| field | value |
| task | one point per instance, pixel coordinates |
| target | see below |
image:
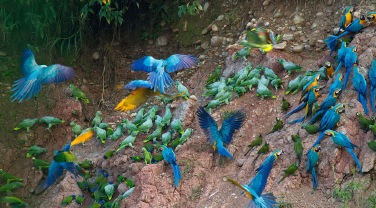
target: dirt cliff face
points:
(305, 25)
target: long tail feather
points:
(223, 151)
(314, 179)
(352, 153)
(363, 101)
(372, 91)
(338, 67)
(347, 76)
(298, 108)
(177, 174)
(315, 117)
(301, 119)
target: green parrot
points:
(50, 121)
(109, 189)
(289, 171)
(276, 83)
(373, 128)
(149, 147)
(177, 126)
(128, 141)
(298, 147)
(365, 122)
(137, 158)
(139, 117)
(269, 73)
(80, 199)
(101, 134)
(182, 90)
(9, 177)
(95, 204)
(13, 202)
(147, 156)
(257, 38)
(166, 137)
(40, 164)
(108, 154)
(76, 129)
(26, 124)
(7, 188)
(78, 94)
(155, 134)
(242, 74)
(264, 92)
(97, 119)
(250, 83)
(311, 128)
(240, 90)
(131, 127)
(289, 66)
(255, 143)
(244, 52)
(146, 126)
(152, 113)
(117, 133)
(158, 157)
(175, 143)
(277, 126)
(117, 202)
(226, 97)
(86, 164)
(185, 136)
(83, 185)
(215, 75)
(67, 200)
(285, 105)
(104, 125)
(263, 80)
(372, 145)
(293, 85)
(254, 73)
(35, 150)
(263, 150)
(166, 119)
(213, 104)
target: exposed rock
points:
(298, 20)
(220, 17)
(95, 56)
(280, 46)
(217, 41)
(2, 53)
(266, 3)
(298, 48)
(366, 58)
(287, 37)
(206, 6)
(162, 40)
(205, 45)
(214, 28)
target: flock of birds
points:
(159, 82)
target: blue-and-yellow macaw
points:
(169, 156)
(329, 121)
(360, 85)
(342, 51)
(313, 94)
(350, 60)
(372, 81)
(159, 69)
(313, 159)
(312, 83)
(257, 185)
(224, 135)
(337, 84)
(63, 159)
(355, 27)
(341, 139)
(346, 18)
(328, 69)
(34, 76)
(371, 16)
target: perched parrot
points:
(128, 141)
(26, 124)
(298, 147)
(355, 27)
(342, 51)
(50, 121)
(13, 201)
(311, 128)
(159, 69)
(257, 185)
(312, 96)
(85, 136)
(166, 137)
(277, 126)
(307, 88)
(177, 126)
(35, 150)
(360, 86)
(224, 135)
(244, 52)
(117, 133)
(329, 69)
(342, 140)
(337, 84)
(285, 105)
(86, 164)
(263, 150)
(109, 190)
(40, 164)
(147, 155)
(182, 90)
(78, 94)
(80, 199)
(68, 199)
(373, 129)
(36, 75)
(372, 83)
(289, 66)
(130, 126)
(166, 119)
(293, 85)
(350, 60)
(313, 160)
(76, 129)
(263, 91)
(100, 133)
(185, 136)
(289, 171)
(328, 103)
(56, 168)
(145, 126)
(257, 38)
(9, 177)
(371, 16)
(169, 156)
(7, 188)
(346, 18)
(372, 145)
(269, 73)
(255, 143)
(155, 134)
(97, 119)
(214, 76)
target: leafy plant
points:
(349, 192)
(191, 8)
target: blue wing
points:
(55, 171)
(26, 87)
(231, 124)
(178, 61)
(372, 80)
(258, 183)
(56, 73)
(145, 64)
(137, 84)
(28, 62)
(208, 124)
(159, 80)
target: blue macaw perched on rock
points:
(257, 185)
(341, 55)
(169, 156)
(312, 83)
(371, 16)
(313, 159)
(224, 135)
(337, 84)
(341, 139)
(330, 101)
(34, 76)
(350, 60)
(329, 121)
(346, 19)
(313, 94)
(355, 27)
(63, 159)
(159, 69)
(372, 80)
(360, 86)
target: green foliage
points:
(190, 8)
(111, 11)
(354, 191)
